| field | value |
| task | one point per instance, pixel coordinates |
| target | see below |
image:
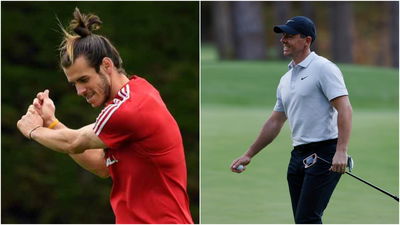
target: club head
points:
(350, 163)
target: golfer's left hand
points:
(44, 105)
(29, 121)
(339, 162)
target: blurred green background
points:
(238, 97)
(156, 40)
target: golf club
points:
(312, 159)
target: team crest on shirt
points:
(110, 160)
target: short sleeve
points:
(278, 105)
(113, 125)
(115, 130)
(332, 82)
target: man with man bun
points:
(135, 140)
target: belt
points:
(315, 144)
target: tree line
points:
(347, 32)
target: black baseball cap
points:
(298, 25)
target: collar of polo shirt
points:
(303, 63)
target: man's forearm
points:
(61, 140)
(268, 133)
(93, 161)
(266, 136)
(344, 128)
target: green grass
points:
(260, 194)
(254, 83)
(237, 98)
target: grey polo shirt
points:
(304, 94)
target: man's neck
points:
(117, 82)
(299, 58)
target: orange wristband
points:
(53, 124)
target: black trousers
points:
(311, 188)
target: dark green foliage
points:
(156, 40)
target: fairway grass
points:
(237, 97)
(254, 84)
(260, 194)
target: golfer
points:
(135, 140)
(312, 95)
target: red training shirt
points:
(145, 157)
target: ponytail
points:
(79, 40)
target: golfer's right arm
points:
(268, 133)
(91, 160)
(84, 147)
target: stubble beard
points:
(106, 87)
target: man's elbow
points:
(74, 148)
(344, 108)
(349, 109)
